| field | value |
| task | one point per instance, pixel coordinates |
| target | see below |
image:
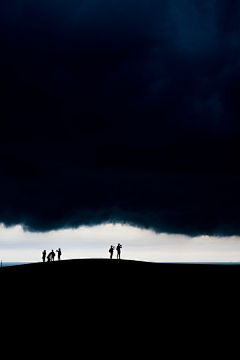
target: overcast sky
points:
(137, 244)
(121, 111)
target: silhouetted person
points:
(118, 250)
(59, 253)
(44, 255)
(49, 257)
(53, 255)
(111, 251)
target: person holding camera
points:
(118, 250)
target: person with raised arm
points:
(118, 250)
(59, 253)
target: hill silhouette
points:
(107, 274)
(92, 272)
(112, 299)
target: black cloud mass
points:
(120, 111)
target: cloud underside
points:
(124, 112)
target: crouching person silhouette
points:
(111, 251)
(49, 257)
(118, 250)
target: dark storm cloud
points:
(121, 111)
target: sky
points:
(137, 244)
(121, 112)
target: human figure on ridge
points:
(53, 255)
(111, 251)
(59, 253)
(49, 257)
(44, 255)
(118, 250)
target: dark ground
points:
(114, 275)
(118, 307)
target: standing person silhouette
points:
(59, 253)
(44, 255)
(118, 250)
(53, 255)
(111, 251)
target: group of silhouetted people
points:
(118, 248)
(51, 255)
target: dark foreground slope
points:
(108, 307)
(119, 275)
(111, 287)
